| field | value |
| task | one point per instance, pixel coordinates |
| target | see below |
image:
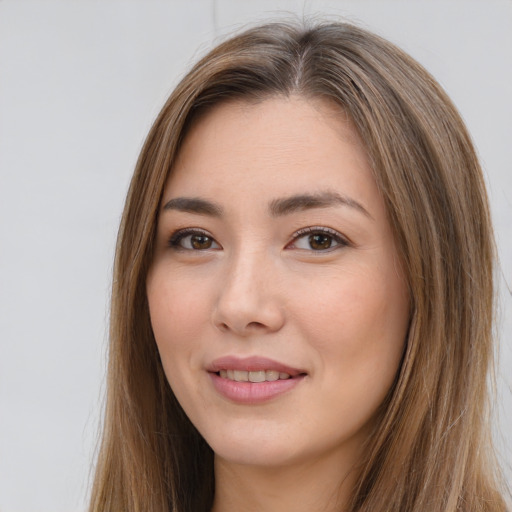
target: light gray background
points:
(80, 83)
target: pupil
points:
(201, 242)
(320, 241)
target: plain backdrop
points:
(80, 83)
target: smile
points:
(253, 380)
(255, 376)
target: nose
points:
(248, 300)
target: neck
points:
(323, 486)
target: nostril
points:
(251, 326)
(256, 325)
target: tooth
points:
(241, 375)
(257, 376)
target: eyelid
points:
(340, 240)
(178, 235)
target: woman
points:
(302, 304)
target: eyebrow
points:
(302, 202)
(194, 205)
(277, 207)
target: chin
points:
(248, 448)
(250, 454)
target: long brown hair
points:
(432, 449)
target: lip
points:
(252, 392)
(252, 364)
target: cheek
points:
(358, 323)
(177, 318)
(177, 315)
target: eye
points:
(193, 240)
(318, 239)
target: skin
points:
(334, 306)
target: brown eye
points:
(318, 239)
(200, 242)
(193, 240)
(320, 242)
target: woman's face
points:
(276, 296)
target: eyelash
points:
(177, 237)
(318, 230)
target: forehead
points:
(276, 146)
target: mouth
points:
(253, 376)
(253, 380)
(253, 369)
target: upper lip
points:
(252, 364)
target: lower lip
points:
(253, 392)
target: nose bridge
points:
(248, 300)
(244, 266)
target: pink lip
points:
(252, 392)
(251, 364)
